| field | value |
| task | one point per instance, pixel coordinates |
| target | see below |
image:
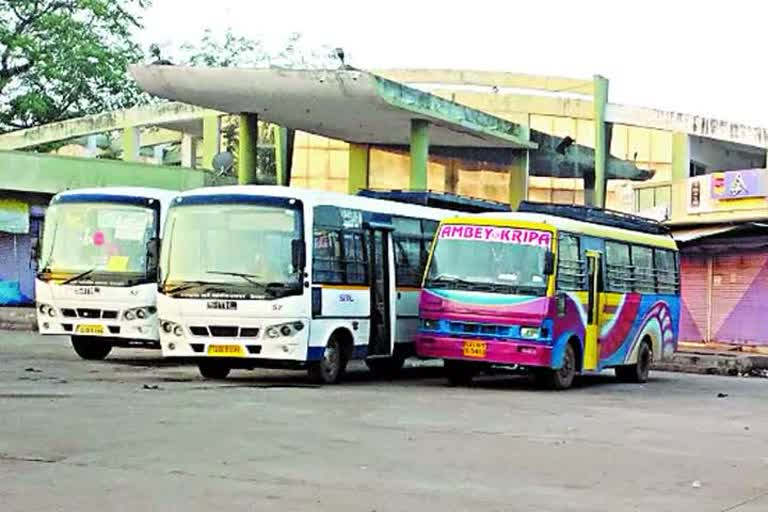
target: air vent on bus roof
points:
(596, 216)
(435, 199)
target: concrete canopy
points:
(349, 105)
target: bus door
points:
(592, 331)
(380, 342)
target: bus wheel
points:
(91, 348)
(562, 378)
(385, 367)
(459, 373)
(637, 373)
(330, 369)
(214, 370)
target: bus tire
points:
(330, 369)
(562, 378)
(214, 370)
(91, 348)
(637, 373)
(460, 373)
(385, 368)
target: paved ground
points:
(79, 436)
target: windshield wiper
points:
(79, 276)
(251, 278)
(284, 288)
(187, 286)
(448, 280)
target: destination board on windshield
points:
(496, 234)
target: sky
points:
(700, 57)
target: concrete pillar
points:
(681, 169)
(131, 139)
(359, 160)
(211, 145)
(159, 153)
(594, 194)
(419, 154)
(284, 138)
(91, 147)
(247, 151)
(188, 151)
(518, 178)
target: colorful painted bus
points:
(559, 291)
(97, 268)
(265, 276)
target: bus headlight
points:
(140, 313)
(171, 327)
(529, 332)
(45, 309)
(286, 330)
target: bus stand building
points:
(492, 135)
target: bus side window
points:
(571, 268)
(642, 262)
(355, 261)
(667, 274)
(326, 263)
(409, 259)
(618, 267)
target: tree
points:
(234, 50)
(61, 59)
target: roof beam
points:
(685, 123)
(488, 79)
(170, 112)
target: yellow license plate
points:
(226, 350)
(90, 329)
(475, 349)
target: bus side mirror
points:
(549, 263)
(298, 255)
(153, 250)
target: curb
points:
(716, 363)
(18, 319)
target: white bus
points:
(277, 277)
(97, 268)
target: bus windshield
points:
(237, 250)
(102, 243)
(489, 258)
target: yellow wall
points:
(323, 164)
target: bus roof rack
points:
(437, 199)
(596, 216)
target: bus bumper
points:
(489, 351)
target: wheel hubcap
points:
(568, 366)
(330, 360)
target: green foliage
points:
(61, 59)
(235, 50)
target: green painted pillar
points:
(284, 138)
(359, 160)
(518, 178)
(419, 154)
(519, 168)
(681, 171)
(596, 196)
(211, 139)
(248, 142)
(131, 143)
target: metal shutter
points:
(740, 293)
(695, 295)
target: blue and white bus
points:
(266, 276)
(97, 268)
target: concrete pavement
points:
(133, 433)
